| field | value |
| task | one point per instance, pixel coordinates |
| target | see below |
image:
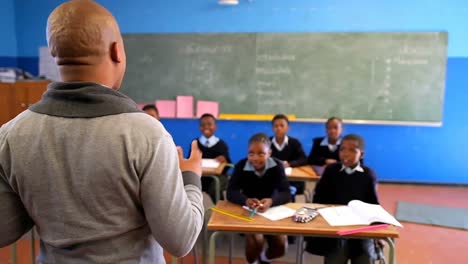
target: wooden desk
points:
(303, 173)
(317, 227)
(214, 171)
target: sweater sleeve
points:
(282, 194)
(15, 220)
(372, 196)
(324, 187)
(225, 151)
(172, 201)
(234, 189)
(298, 156)
(314, 157)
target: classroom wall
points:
(8, 49)
(397, 153)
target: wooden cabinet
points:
(17, 97)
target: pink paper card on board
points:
(184, 106)
(166, 108)
(207, 107)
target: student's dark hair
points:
(356, 138)
(280, 116)
(260, 138)
(150, 106)
(333, 118)
(205, 115)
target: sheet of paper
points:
(341, 216)
(288, 171)
(210, 163)
(276, 213)
(207, 107)
(184, 106)
(166, 108)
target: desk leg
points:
(204, 243)
(33, 247)
(212, 247)
(217, 187)
(300, 249)
(391, 250)
(231, 244)
(13, 254)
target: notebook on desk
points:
(357, 213)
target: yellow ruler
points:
(237, 216)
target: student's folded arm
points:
(282, 194)
(15, 220)
(324, 188)
(300, 158)
(315, 157)
(234, 189)
(172, 201)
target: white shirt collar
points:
(331, 147)
(270, 163)
(349, 170)
(213, 140)
(278, 146)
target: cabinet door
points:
(26, 94)
(6, 103)
(36, 91)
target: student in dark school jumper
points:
(101, 180)
(212, 147)
(151, 110)
(325, 149)
(341, 183)
(287, 149)
(259, 182)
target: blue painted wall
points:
(8, 47)
(400, 153)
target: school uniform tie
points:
(207, 143)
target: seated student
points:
(287, 149)
(212, 147)
(340, 183)
(259, 182)
(325, 149)
(151, 110)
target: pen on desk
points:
(252, 212)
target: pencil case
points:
(304, 215)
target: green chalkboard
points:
(395, 77)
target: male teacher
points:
(101, 180)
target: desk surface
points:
(214, 171)
(317, 227)
(303, 173)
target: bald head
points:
(84, 37)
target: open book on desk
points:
(357, 213)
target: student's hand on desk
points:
(330, 161)
(265, 204)
(252, 203)
(193, 163)
(286, 164)
(221, 159)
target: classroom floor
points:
(418, 244)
